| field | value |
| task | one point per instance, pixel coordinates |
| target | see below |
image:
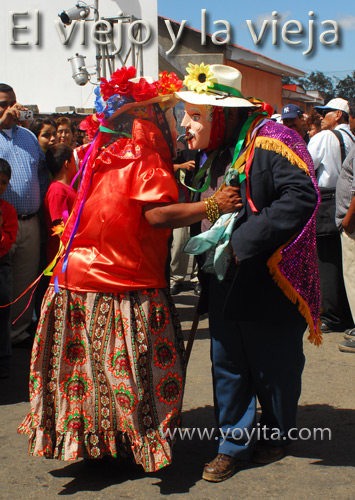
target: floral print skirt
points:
(107, 373)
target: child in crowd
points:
(60, 196)
(8, 232)
(45, 129)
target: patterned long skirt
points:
(107, 372)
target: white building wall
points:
(41, 74)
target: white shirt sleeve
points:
(324, 148)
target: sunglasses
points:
(324, 112)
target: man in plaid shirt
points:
(26, 191)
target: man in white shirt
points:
(328, 149)
(345, 219)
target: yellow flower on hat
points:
(199, 77)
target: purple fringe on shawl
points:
(299, 263)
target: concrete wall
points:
(40, 74)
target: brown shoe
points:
(221, 468)
(266, 454)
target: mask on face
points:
(198, 124)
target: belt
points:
(25, 216)
(327, 193)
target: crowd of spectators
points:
(36, 169)
(329, 132)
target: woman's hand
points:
(228, 200)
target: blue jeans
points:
(254, 359)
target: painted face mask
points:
(198, 124)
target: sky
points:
(333, 60)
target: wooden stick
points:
(192, 335)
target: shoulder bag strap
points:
(339, 136)
(350, 135)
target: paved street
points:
(314, 469)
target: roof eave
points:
(258, 61)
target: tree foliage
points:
(288, 80)
(319, 81)
(345, 88)
(328, 86)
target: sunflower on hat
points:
(199, 77)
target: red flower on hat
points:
(107, 90)
(122, 75)
(119, 83)
(120, 79)
(168, 83)
(142, 91)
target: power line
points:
(333, 74)
(327, 73)
(343, 71)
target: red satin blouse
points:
(115, 249)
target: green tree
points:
(317, 80)
(345, 88)
(288, 80)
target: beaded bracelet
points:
(212, 209)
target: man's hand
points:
(229, 200)
(349, 223)
(188, 165)
(349, 219)
(11, 116)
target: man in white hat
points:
(259, 307)
(328, 149)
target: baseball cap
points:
(290, 111)
(337, 104)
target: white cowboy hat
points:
(214, 85)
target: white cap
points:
(337, 103)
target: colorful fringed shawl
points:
(294, 265)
